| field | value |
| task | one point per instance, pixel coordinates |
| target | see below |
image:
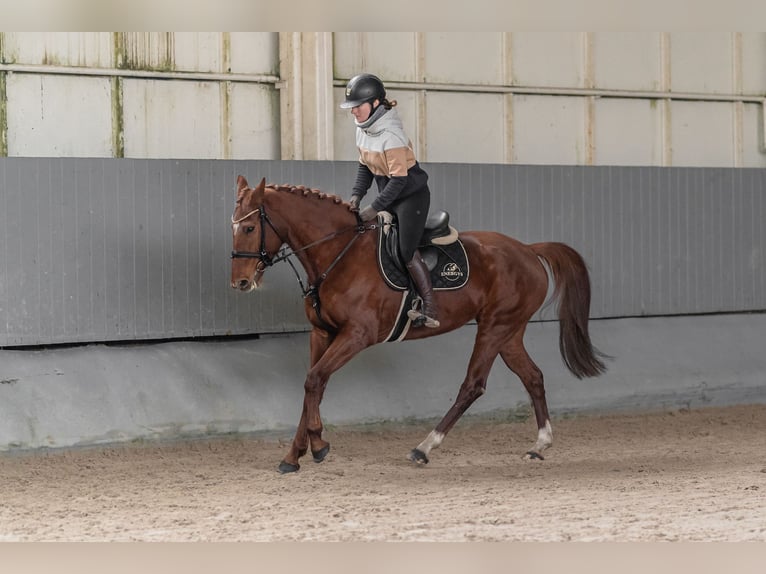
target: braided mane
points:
(306, 192)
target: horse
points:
(350, 307)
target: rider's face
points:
(362, 112)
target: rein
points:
(285, 253)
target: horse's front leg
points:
(319, 341)
(328, 354)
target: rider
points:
(386, 155)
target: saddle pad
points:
(448, 265)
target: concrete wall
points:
(94, 394)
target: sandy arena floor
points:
(682, 475)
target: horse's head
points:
(255, 242)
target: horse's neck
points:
(306, 220)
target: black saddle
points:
(437, 230)
(439, 246)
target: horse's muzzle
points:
(243, 285)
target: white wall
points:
(605, 98)
(142, 95)
(59, 116)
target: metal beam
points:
(142, 74)
(583, 92)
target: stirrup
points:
(421, 320)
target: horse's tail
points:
(572, 290)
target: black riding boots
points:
(426, 316)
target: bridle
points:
(262, 254)
(285, 253)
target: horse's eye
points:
(249, 229)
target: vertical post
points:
(506, 57)
(421, 114)
(290, 85)
(3, 103)
(225, 96)
(3, 116)
(738, 107)
(589, 82)
(666, 85)
(306, 96)
(119, 58)
(317, 103)
(325, 86)
(118, 118)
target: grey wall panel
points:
(118, 249)
(659, 241)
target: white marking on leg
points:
(544, 437)
(433, 440)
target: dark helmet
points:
(363, 88)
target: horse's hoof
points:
(418, 456)
(285, 467)
(532, 455)
(320, 454)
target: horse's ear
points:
(259, 189)
(242, 185)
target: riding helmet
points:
(363, 88)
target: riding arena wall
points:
(117, 320)
(119, 153)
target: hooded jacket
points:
(386, 155)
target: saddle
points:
(440, 247)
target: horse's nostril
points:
(244, 283)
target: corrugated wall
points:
(117, 249)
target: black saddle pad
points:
(448, 265)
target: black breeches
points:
(412, 212)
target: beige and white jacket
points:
(386, 155)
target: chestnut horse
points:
(350, 307)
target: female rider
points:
(386, 156)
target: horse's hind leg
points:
(517, 359)
(472, 388)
